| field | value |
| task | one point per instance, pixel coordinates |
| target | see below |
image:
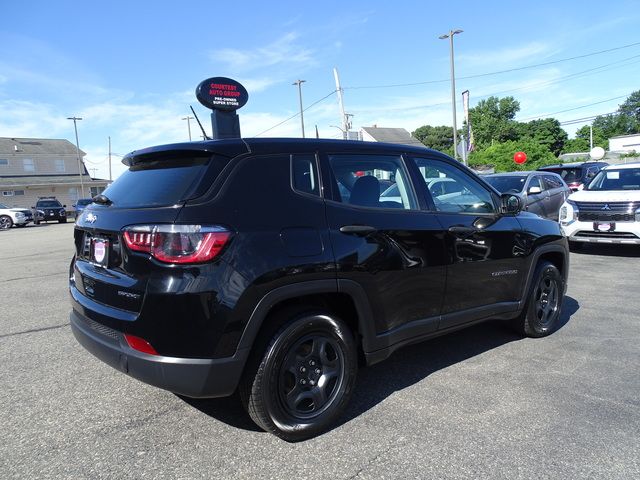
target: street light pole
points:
(299, 84)
(188, 119)
(453, 88)
(80, 164)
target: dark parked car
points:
(542, 193)
(53, 210)
(190, 276)
(577, 174)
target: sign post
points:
(223, 96)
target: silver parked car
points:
(543, 193)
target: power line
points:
(544, 64)
(295, 115)
(575, 108)
(586, 119)
(598, 69)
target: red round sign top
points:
(520, 157)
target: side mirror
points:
(64, 206)
(511, 204)
(534, 190)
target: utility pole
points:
(453, 88)
(110, 177)
(80, 164)
(343, 115)
(299, 84)
(590, 137)
(188, 119)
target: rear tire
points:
(544, 302)
(301, 382)
(64, 220)
(5, 222)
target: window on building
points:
(73, 193)
(18, 192)
(7, 193)
(4, 161)
(60, 166)
(96, 191)
(28, 164)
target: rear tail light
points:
(180, 244)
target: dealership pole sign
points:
(223, 96)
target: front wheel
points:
(544, 301)
(62, 220)
(304, 379)
(5, 222)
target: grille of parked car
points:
(607, 211)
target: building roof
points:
(26, 181)
(37, 146)
(392, 135)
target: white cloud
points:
(283, 51)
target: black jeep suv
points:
(53, 210)
(217, 266)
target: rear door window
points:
(165, 180)
(358, 179)
(304, 173)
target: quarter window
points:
(304, 174)
(452, 190)
(372, 181)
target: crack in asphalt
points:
(34, 330)
(33, 276)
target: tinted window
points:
(552, 181)
(304, 174)
(452, 190)
(83, 202)
(569, 175)
(165, 180)
(622, 179)
(507, 183)
(358, 179)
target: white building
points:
(38, 167)
(625, 144)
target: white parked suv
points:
(607, 210)
(14, 216)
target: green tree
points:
(546, 131)
(492, 120)
(439, 138)
(582, 141)
(500, 156)
(631, 106)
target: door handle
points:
(358, 230)
(461, 230)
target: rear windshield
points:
(569, 175)
(165, 180)
(48, 204)
(84, 202)
(505, 184)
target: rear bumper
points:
(191, 377)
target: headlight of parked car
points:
(62, 212)
(568, 212)
(19, 215)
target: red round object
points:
(520, 157)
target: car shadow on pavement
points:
(628, 251)
(411, 365)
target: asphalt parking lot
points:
(481, 403)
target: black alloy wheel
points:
(542, 310)
(299, 384)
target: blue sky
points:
(130, 69)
